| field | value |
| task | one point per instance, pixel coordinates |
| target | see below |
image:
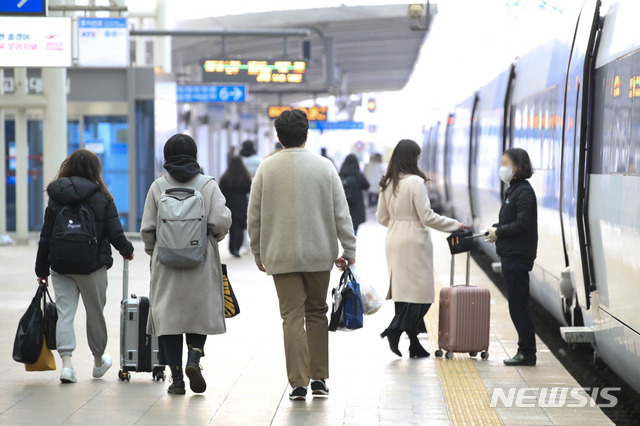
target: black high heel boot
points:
(194, 371)
(415, 348)
(177, 382)
(393, 336)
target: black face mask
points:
(182, 167)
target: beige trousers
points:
(303, 308)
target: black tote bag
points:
(50, 320)
(28, 341)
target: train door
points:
(573, 200)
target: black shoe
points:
(393, 336)
(298, 394)
(177, 382)
(416, 350)
(319, 388)
(194, 371)
(521, 359)
(235, 254)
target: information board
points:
(253, 71)
(103, 42)
(314, 113)
(211, 93)
(23, 7)
(336, 125)
(35, 42)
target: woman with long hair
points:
(80, 207)
(354, 183)
(235, 185)
(404, 208)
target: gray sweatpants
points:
(93, 288)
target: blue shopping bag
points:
(347, 313)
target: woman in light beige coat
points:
(404, 208)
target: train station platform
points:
(245, 368)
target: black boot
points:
(393, 336)
(177, 381)
(194, 370)
(415, 348)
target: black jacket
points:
(236, 199)
(356, 202)
(109, 230)
(518, 227)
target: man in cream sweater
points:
(297, 214)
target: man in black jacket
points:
(516, 238)
(80, 268)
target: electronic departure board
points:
(314, 113)
(253, 71)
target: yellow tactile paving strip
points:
(466, 396)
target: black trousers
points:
(236, 234)
(515, 272)
(170, 347)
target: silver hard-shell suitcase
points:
(138, 350)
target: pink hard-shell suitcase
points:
(464, 318)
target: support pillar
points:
(54, 126)
(22, 162)
(162, 45)
(132, 150)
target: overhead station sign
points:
(211, 93)
(337, 125)
(314, 113)
(103, 42)
(23, 7)
(35, 42)
(253, 71)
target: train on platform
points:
(574, 104)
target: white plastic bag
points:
(371, 300)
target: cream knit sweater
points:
(297, 214)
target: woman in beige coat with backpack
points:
(404, 208)
(185, 300)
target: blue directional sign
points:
(209, 93)
(23, 7)
(336, 125)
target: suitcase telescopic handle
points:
(453, 269)
(125, 279)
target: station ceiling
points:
(375, 48)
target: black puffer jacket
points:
(65, 191)
(518, 227)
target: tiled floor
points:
(245, 368)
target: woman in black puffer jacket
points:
(80, 224)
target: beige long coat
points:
(187, 300)
(408, 216)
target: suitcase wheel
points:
(448, 355)
(439, 353)
(159, 375)
(473, 354)
(124, 375)
(484, 355)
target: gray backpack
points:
(181, 230)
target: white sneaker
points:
(106, 364)
(68, 375)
